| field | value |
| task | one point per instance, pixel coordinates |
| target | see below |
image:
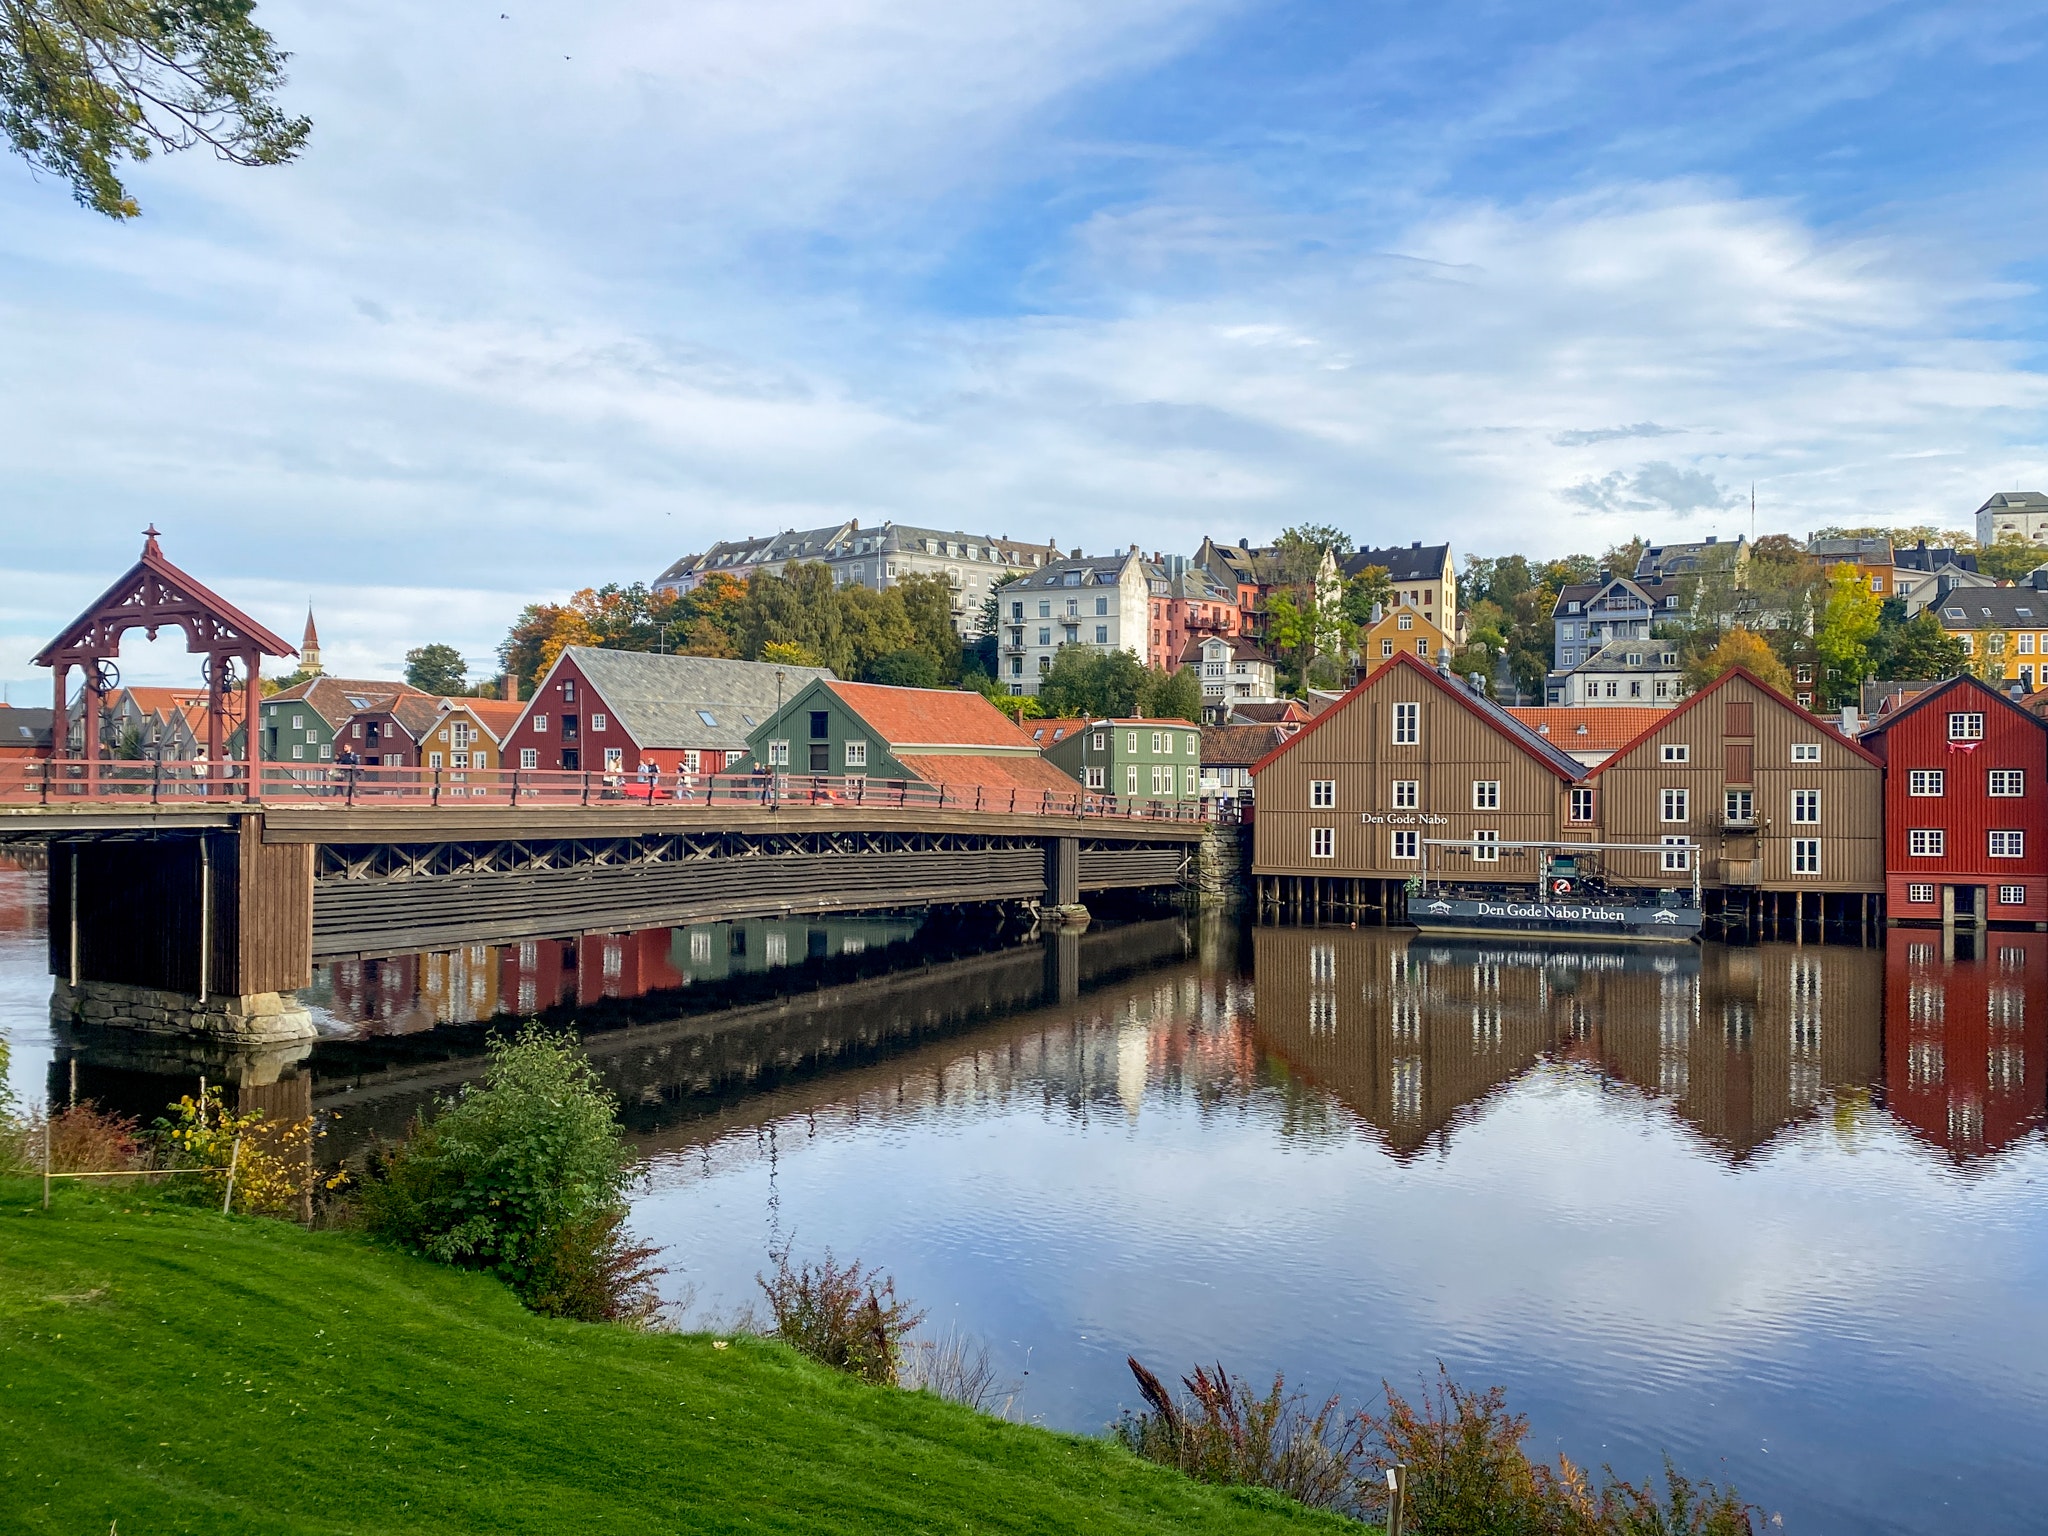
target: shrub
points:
(847, 1317)
(83, 1139)
(524, 1175)
(959, 1369)
(272, 1169)
(1226, 1433)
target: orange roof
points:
(930, 717)
(993, 775)
(497, 716)
(1598, 728)
(1048, 732)
(160, 700)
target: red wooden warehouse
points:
(1966, 808)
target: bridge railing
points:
(32, 781)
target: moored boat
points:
(1567, 901)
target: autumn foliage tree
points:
(1743, 648)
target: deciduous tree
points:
(1743, 648)
(437, 669)
(88, 84)
(1842, 639)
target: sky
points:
(559, 293)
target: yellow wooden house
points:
(1401, 631)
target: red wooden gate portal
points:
(155, 593)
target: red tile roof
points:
(931, 717)
(1599, 728)
(995, 776)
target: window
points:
(461, 760)
(1188, 743)
(1925, 783)
(1486, 847)
(326, 751)
(778, 754)
(1613, 689)
(1677, 854)
(1101, 741)
(1486, 794)
(1676, 753)
(1322, 794)
(1406, 621)
(1102, 634)
(1073, 608)
(1406, 845)
(1131, 779)
(2008, 845)
(614, 759)
(821, 724)
(1803, 673)
(692, 761)
(298, 754)
(1921, 894)
(1102, 605)
(1422, 645)
(1016, 610)
(540, 725)
(1407, 794)
(1094, 778)
(1582, 805)
(529, 757)
(1407, 724)
(434, 760)
(2008, 782)
(569, 690)
(597, 722)
(1739, 808)
(1806, 805)
(1966, 726)
(856, 754)
(1805, 855)
(1322, 842)
(1188, 786)
(1676, 805)
(1162, 779)
(1805, 751)
(1158, 741)
(1926, 842)
(1386, 649)
(1045, 610)
(298, 722)
(2012, 895)
(1130, 741)
(2026, 645)
(1045, 634)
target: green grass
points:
(175, 1370)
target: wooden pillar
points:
(252, 694)
(216, 737)
(1799, 917)
(60, 719)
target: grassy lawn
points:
(174, 1370)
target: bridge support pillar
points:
(197, 933)
(1063, 882)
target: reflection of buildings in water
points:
(1964, 1064)
(1411, 1033)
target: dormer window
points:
(1571, 608)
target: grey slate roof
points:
(1092, 570)
(657, 698)
(1926, 557)
(1992, 608)
(2015, 501)
(24, 727)
(1653, 655)
(1413, 562)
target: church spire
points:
(309, 647)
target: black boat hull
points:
(1596, 921)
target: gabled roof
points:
(1614, 657)
(1884, 723)
(417, 714)
(334, 699)
(1930, 557)
(24, 727)
(1242, 648)
(1412, 562)
(1991, 608)
(1697, 699)
(155, 592)
(496, 716)
(910, 718)
(1271, 712)
(1047, 732)
(1089, 571)
(1558, 761)
(1240, 746)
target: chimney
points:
(1850, 724)
(1378, 612)
(1712, 540)
(508, 687)
(1075, 555)
(1416, 545)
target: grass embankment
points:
(174, 1370)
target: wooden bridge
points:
(182, 901)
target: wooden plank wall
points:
(274, 889)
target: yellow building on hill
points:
(1401, 631)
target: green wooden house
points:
(1151, 759)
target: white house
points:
(1102, 602)
(1638, 672)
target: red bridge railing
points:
(40, 782)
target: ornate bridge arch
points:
(151, 596)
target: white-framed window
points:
(1675, 805)
(569, 690)
(1407, 794)
(1406, 845)
(1188, 777)
(1582, 805)
(529, 757)
(1322, 794)
(2012, 895)
(778, 754)
(1094, 777)
(693, 760)
(1130, 778)
(1676, 752)
(1738, 807)
(1805, 855)
(1806, 806)
(540, 725)
(1322, 842)
(1486, 794)
(1100, 742)
(2008, 845)
(1966, 725)
(298, 722)
(597, 721)
(1926, 842)
(1926, 783)
(1386, 649)
(2008, 783)
(1162, 779)
(460, 760)
(1805, 751)
(326, 750)
(1130, 741)
(1920, 894)
(1486, 847)
(1407, 724)
(1188, 744)
(856, 754)
(462, 733)
(2026, 645)
(1677, 854)
(433, 760)
(298, 754)
(1159, 741)
(1406, 621)
(614, 759)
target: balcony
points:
(1739, 871)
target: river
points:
(1777, 1211)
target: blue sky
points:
(561, 292)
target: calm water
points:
(1777, 1210)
